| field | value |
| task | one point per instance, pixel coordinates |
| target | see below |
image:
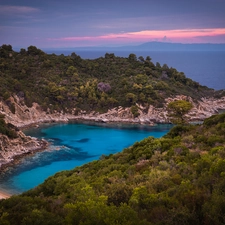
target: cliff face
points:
(24, 115)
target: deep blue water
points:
(72, 145)
(207, 68)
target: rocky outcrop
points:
(22, 145)
(152, 115)
(25, 116)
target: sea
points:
(75, 144)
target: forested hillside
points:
(177, 179)
(59, 82)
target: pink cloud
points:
(182, 36)
(9, 9)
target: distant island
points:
(149, 46)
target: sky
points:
(79, 23)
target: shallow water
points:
(72, 145)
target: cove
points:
(72, 145)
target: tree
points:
(33, 50)
(141, 58)
(132, 57)
(177, 111)
(148, 59)
(72, 73)
(134, 110)
(5, 51)
(158, 65)
(131, 98)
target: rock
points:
(25, 116)
(11, 148)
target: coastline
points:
(153, 117)
(17, 157)
(34, 117)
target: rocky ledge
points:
(11, 149)
(25, 116)
(152, 115)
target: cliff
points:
(25, 116)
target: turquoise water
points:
(72, 145)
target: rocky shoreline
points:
(26, 116)
(13, 149)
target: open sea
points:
(75, 144)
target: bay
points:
(73, 144)
(73, 147)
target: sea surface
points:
(206, 67)
(72, 145)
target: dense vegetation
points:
(65, 82)
(177, 179)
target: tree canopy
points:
(178, 110)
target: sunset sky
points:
(76, 23)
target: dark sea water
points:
(207, 68)
(73, 144)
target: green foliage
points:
(214, 120)
(68, 82)
(177, 111)
(134, 110)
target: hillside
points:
(177, 179)
(68, 82)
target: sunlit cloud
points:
(9, 9)
(182, 36)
